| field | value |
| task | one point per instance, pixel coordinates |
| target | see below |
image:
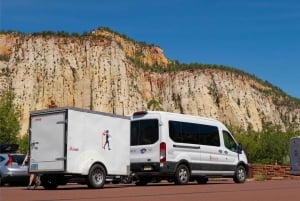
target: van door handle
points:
(225, 152)
(220, 151)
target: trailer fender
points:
(87, 160)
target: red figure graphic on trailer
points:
(106, 135)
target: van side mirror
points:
(239, 148)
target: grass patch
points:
(259, 177)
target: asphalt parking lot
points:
(225, 190)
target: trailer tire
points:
(240, 174)
(96, 177)
(182, 175)
(49, 182)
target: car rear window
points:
(18, 158)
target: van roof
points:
(163, 113)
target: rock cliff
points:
(110, 73)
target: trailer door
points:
(47, 142)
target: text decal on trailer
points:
(73, 148)
(38, 119)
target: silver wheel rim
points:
(98, 176)
(241, 174)
(183, 174)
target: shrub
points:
(268, 146)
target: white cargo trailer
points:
(71, 144)
(295, 155)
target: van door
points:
(47, 142)
(229, 151)
(212, 151)
(144, 145)
(185, 140)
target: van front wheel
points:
(182, 175)
(240, 174)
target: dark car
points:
(11, 169)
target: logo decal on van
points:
(143, 150)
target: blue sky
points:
(260, 37)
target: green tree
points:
(9, 119)
(23, 144)
(268, 146)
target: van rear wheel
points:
(240, 174)
(182, 175)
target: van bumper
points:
(153, 169)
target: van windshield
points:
(144, 132)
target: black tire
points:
(240, 174)
(49, 182)
(202, 180)
(96, 177)
(182, 175)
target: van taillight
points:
(10, 160)
(163, 149)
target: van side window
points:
(209, 135)
(184, 132)
(144, 132)
(229, 141)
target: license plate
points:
(34, 166)
(148, 168)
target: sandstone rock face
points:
(95, 73)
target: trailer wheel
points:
(182, 175)
(49, 181)
(96, 177)
(240, 174)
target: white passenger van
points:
(182, 148)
